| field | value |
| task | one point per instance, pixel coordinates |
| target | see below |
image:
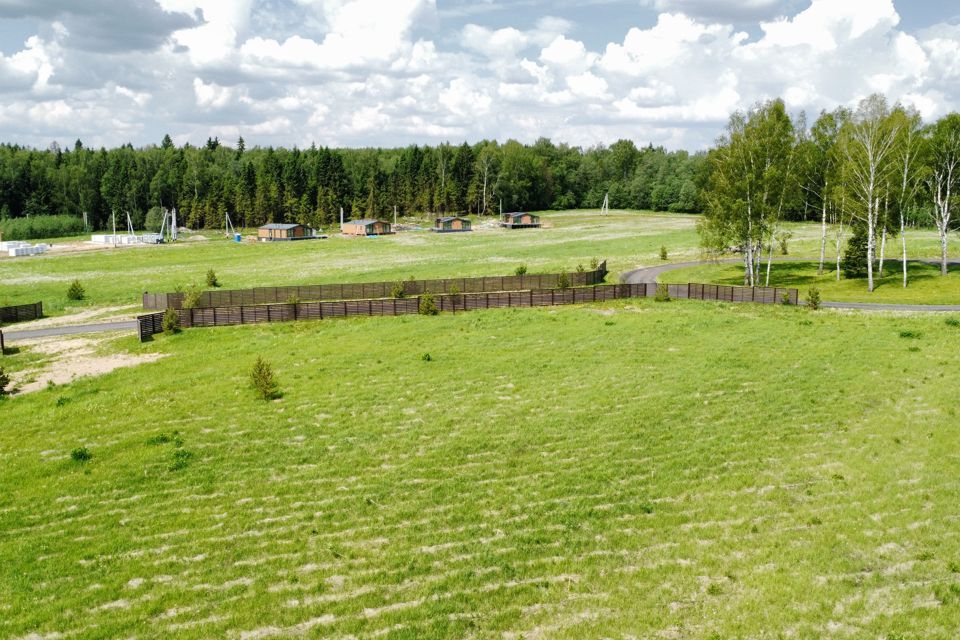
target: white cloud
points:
(369, 72)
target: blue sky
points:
(393, 72)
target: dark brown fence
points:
(21, 313)
(366, 290)
(225, 316)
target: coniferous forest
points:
(259, 185)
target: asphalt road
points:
(650, 275)
(10, 336)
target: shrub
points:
(663, 293)
(427, 305)
(594, 264)
(398, 291)
(426, 357)
(36, 227)
(785, 298)
(4, 383)
(171, 321)
(813, 299)
(782, 241)
(953, 322)
(191, 298)
(212, 278)
(910, 334)
(293, 299)
(80, 454)
(76, 291)
(580, 268)
(563, 281)
(663, 252)
(263, 380)
(521, 270)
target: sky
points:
(357, 73)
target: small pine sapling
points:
(76, 291)
(263, 381)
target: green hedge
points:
(36, 227)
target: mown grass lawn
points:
(624, 470)
(925, 284)
(114, 277)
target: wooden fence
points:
(150, 324)
(366, 290)
(21, 313)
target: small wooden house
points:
(366, 228)
(276, 232)
(520, 221)
(451, 224)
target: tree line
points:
(864, 174)
(309, 186)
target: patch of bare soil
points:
(72, 358)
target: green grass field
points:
(115, 277)
(623, 470)
(925, 284)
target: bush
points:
(663, 293)
(292, 299)
(783, 240)
(910, 335)
(212, 279)
(663, 253)
(191, 298)
(80, 454)
(594, 264)
(4, 383)
(813, 299)
(563, 281)
(953, 322)
(398, 291)
(171, 321)
(37, 227)
(181, 457)
(426, 357)
(263, 380)
(427, 305)
(521, 270)
(580, 268)
(785, 299)
(76, 291)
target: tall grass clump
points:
(36, 227)
(663, 293)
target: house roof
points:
(366, 222)
(277, 225)
(452, 218)
(521, 213)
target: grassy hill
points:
(632, 469)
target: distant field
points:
(118, 276)
(925, 284)
(624, 470)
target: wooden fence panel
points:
(22, 312)
(151, 324)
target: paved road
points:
(10, 336)
(651, 274)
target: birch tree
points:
(818, 178)
(870, 144)
(752, 174)
(944, 181)
(910, 170)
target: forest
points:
(866, 174)
(309, 186)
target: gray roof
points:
(451, 218)
(285, 227)
(521, 213)
(366, 222)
